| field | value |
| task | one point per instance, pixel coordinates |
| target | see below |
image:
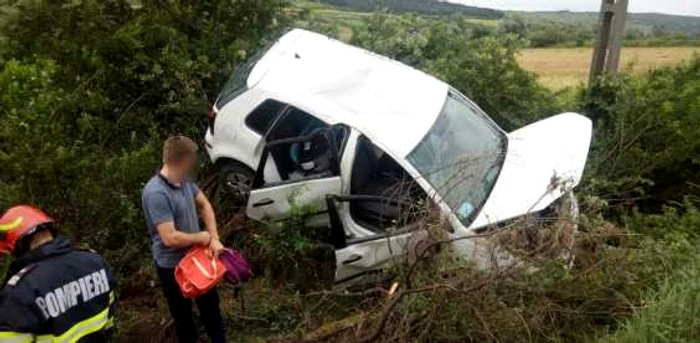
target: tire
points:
(233, 185)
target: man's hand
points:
(216, 247)
(205, 238)
(207, 212)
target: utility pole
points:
(611, 31)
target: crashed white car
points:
(363, 139)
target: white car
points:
(362, 139)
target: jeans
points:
(181, 310)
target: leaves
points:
(89, 90)
(647, 128)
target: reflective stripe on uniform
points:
(15, 337)
(86, 327)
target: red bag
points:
(198, 272)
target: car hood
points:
(543, 160)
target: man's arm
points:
(158, 209)
(177, 239)
(209, 218)
(207, 213)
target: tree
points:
(88, 90)
(513, 24)
(647, 136)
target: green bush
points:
(292, 254)
(88, 91)
(449, 300)
(647, 136)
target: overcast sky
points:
(684, 7)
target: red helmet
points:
(18, 222)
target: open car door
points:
(361, 257)
(309, 170)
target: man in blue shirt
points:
(172, 205)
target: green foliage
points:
(53, 156)
(552, 304)
(151, 63)
(88, 91)
(546, 33)
(680, 222)
(639, 23)
(671, 314)
(646, 137)
(448, 300)
(293, 253)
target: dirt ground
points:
(559, 68)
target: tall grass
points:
(671, 315)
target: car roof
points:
(392, 103)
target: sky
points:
(682, 7)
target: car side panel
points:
(232, 138)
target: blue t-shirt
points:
(163, 202)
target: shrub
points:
(291, 253)
(89, 89)
(448, 299)
(646, 136)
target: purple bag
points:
(237, 268)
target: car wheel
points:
(233, 189)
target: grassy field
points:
(559, 68)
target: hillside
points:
(644, 22)
(429, 7)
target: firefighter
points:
(54, 293)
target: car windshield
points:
(461, 156)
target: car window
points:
(262, 117)
(237, 84)
(295, 123)
(304, 146)
(461, 156)
(388, 197)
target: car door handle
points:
(264, 202)
(352, 259)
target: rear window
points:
(264, 115)
(238, 83)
